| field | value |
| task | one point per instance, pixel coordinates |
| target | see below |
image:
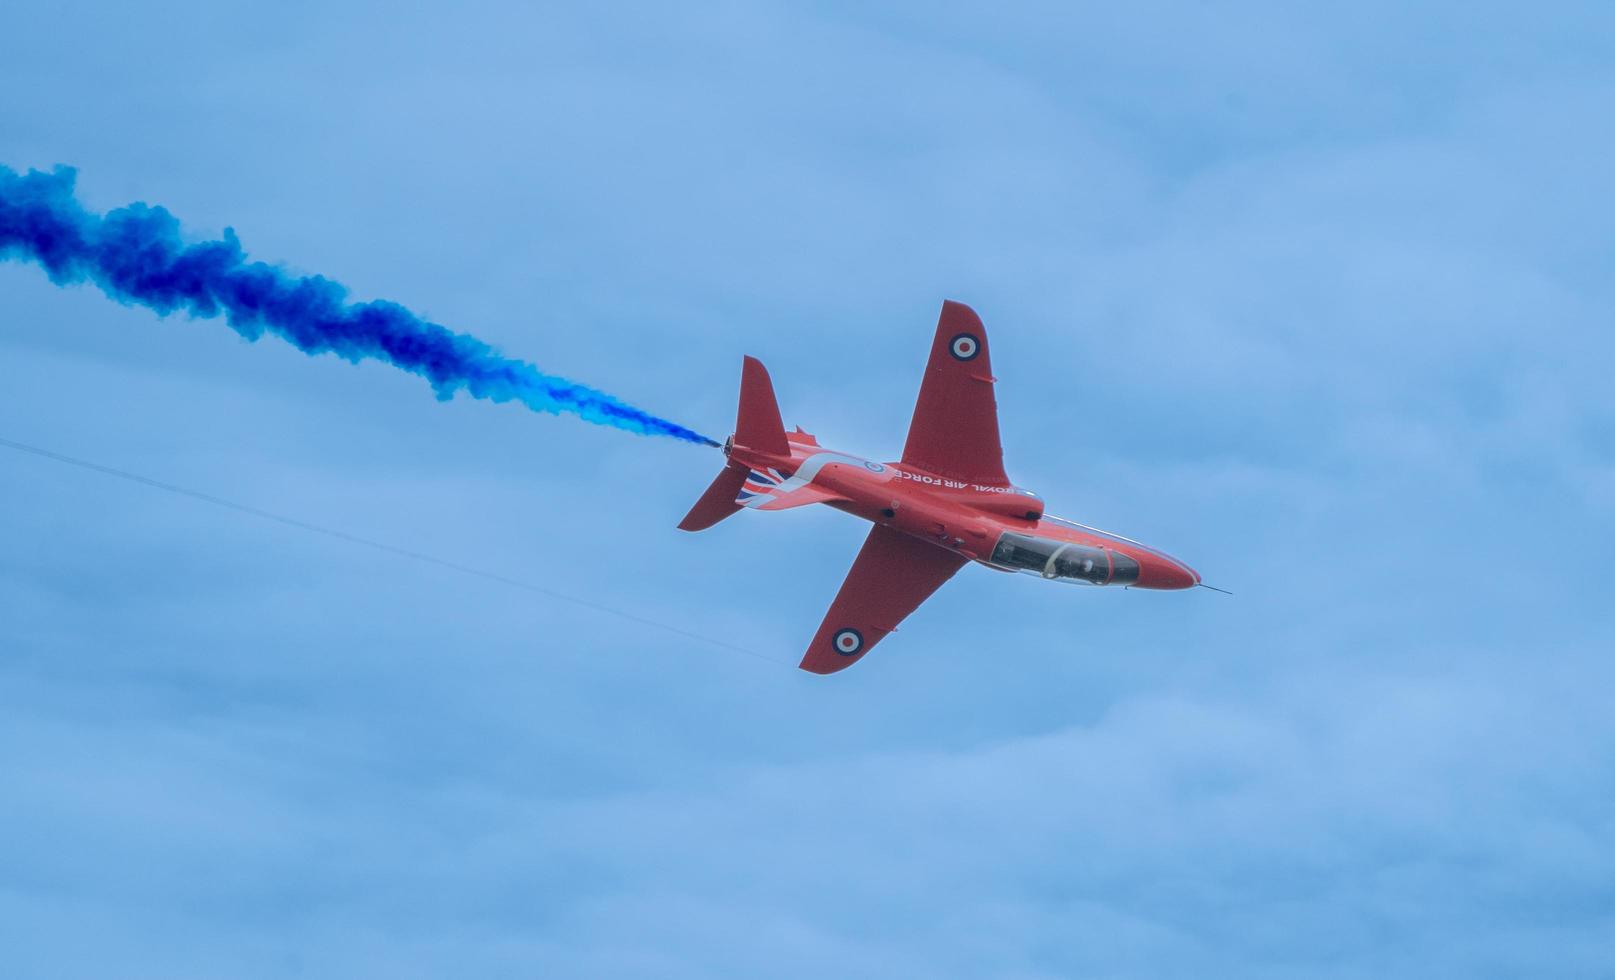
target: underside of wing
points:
(955, 428)
(891, 576)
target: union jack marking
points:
(760, 483)
(772, 489)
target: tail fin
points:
(757, 426)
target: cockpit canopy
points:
(1063, 561)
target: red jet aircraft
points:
(947, 502)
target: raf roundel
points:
(848, 642)
(964, 347)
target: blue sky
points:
(1318, 299)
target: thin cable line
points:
(379, 546)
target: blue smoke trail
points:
(135, 255)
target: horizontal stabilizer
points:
(719, 500)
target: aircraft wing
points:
(955, 428)
(891, 576)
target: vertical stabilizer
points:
(758, 425)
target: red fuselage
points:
(1003, 528)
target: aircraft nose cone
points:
(1161, 572)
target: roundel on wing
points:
(847, 642)
(964, 346)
